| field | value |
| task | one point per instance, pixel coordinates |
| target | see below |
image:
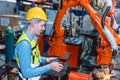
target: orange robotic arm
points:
(57, 46)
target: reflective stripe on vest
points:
(35, 51)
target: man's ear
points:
(33, 24)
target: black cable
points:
(112, 21)
(104, 16)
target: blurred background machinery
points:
(92, 54)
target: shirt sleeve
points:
(23, 52)
(42, 59)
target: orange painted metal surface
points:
(57, 46)
(79, 76)
(73, 59)
(104, 53)
(41, 43)
(104, 56)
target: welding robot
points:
(106, 27)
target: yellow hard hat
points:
(35, 12)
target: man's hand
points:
(49, 59)
(56, 66)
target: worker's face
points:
(39, 27)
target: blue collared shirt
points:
(23, 52)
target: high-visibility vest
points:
(35, 55)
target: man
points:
(26, 51)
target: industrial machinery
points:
(98, 58)
(88, 42)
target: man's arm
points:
(42, 59)
(23, 52)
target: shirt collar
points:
(30, 36)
